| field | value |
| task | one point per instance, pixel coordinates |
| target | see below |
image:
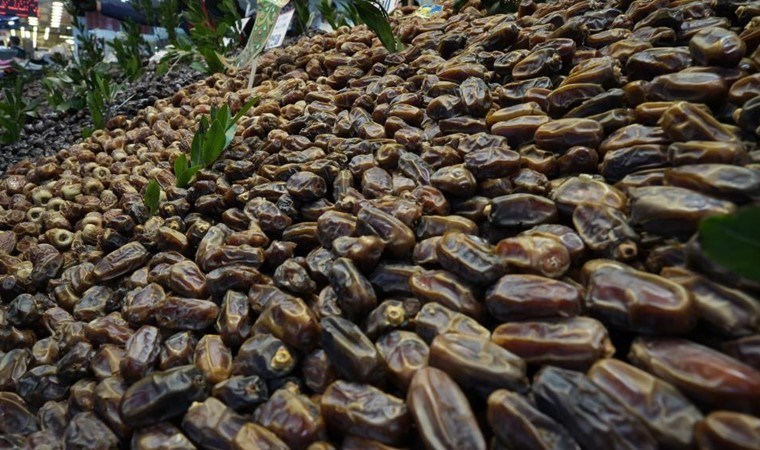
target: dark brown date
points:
(350, 351)
(162, 395)
(574, 343)
(442, 413)
(517, 423)
(478, 364)
(700, 372)
(520, 297)
(668, 415)
(657, 305)
(593, 418)
(366, 411)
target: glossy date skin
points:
(366, 411)
(657, 305)
(669, 416)
(162, 395)
(478, 364)
(517, 423)
(701, 373)
(593, 418)
(574, 343)
(442, 413)
(728, 430)
(518, 297)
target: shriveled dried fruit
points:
(700, 372)
(593, 418)
(442, 412)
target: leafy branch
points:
(375, 16)
(14, 111)
(215, 133)
(152, 197)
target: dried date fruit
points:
(162, 436)
(574, 343)
(519, 424)
(445, 289)
(442, 413)
(241, 392)
(294, 418)
(405, 353)
(366, 411)
(264, 355)
(477, 364)
(543, 255)
(657, 305)
(700, 372)
(670, 210)
(593, 418)
(213, 358)
(351, 352)
(162, 395)
(668, 415)
(725, 429)
(520, 297)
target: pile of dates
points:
(485, 240)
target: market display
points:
(484, 240)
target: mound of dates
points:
(485, 240)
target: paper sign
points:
(280, 29)
(390, 5)
(428, 11)
(266, 18)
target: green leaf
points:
(244, 109)
(180, 166)
(184, 173)
(733, 241)
(214, 142)
(374, 15)
(196, 148)
(152, 196)
(213, 62)
(162, 68)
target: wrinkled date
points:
(162, 395)
(593, 418)
(442, 413)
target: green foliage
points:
(164, 12)
(14, 111)
(100, 98)
(54, 89)
(152, 197)
(128, 51)
(211, 38)
(338, 14)
(146, 8)
(69, 88)
(214, 134)
(374, 15)
(304, 16)
(169, 18)
(733, 241)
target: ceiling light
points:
(34, 21)
(11, 23)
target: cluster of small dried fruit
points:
(480, 238)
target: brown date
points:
(442, 413)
